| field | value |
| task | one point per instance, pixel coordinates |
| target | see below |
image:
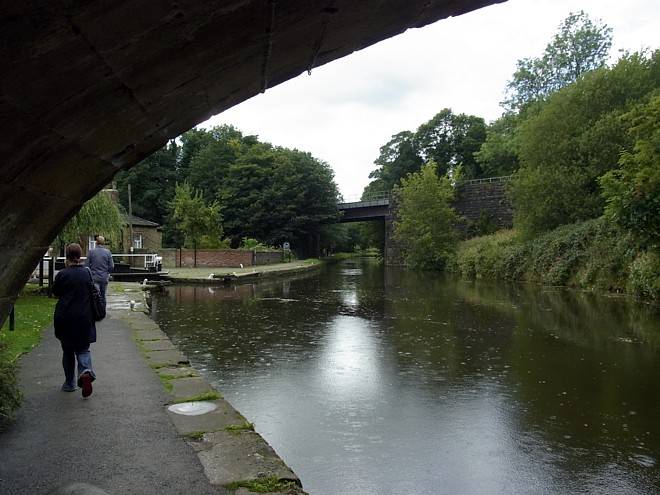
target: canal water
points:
(371, 380)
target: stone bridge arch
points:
(92, 87)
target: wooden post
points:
(11, 319)
(41, 271)
(51, 274)
(130, 223)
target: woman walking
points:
(74, 321)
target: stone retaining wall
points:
(483, 203)
(268, 257)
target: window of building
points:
(137, 241)
(91, 243)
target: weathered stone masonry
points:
(476, 199)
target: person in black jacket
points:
(74, 321)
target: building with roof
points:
(141, 236)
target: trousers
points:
(72, 353)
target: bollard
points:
(51, 274)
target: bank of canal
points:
(374, 380)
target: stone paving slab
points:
(240, 456)
(145, 327)
(166, 358)
(151, 335)
(157, 345)
(176, 372)
(225, 415)
(183, 388)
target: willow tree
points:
(98, 216)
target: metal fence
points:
(379, 198)
(501, 178)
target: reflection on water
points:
(379, 381)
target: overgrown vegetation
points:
(594, 254)
(34, 312)
(267, 484)
(577, 136)
(236, 429)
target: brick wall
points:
(214, 257)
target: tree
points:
(425, 224)
(152, 184)
(577, 136)
(398, 157)
(212, 159)
(451, 140)
(194, 218)
(581, 45)
(498, 154)
(100, 215)
(632, 192)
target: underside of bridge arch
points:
(92, 87)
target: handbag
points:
(98, 307)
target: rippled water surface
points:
(370, 380)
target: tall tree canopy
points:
(632, 192)
(580, 45)
(152, 184)
(577, 136)
(268, 193)
(448, 139)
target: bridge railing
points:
(379, 198)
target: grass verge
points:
(34, 312)
(236, 429)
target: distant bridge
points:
(372, 207)
(473, 197)
(476, 201)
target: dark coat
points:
(74, 320)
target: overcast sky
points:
(347, 109)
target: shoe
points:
(86, 384)
(69, 388)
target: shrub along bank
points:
(592, 255)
